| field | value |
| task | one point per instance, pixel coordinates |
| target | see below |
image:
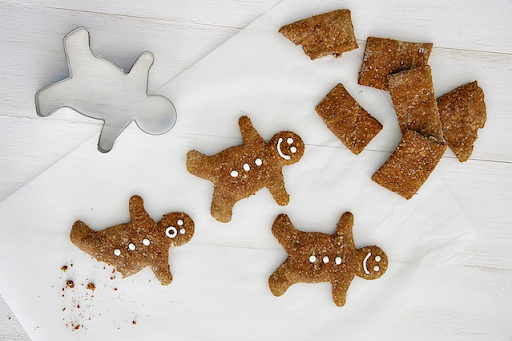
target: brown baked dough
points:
(385, 56)
(412, 93)
(322, 35)
(240, 171)
(132, 246)
(315, 257)
(410, 164)
(462, 112)
(347, 119)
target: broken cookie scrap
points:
(412, 93)
(385, 56)
(410, 164)
(462, 113)
(347, 119)
(322, 35)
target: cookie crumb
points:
(91, 286)
(70, 284)
(134, 322)
(64, 268)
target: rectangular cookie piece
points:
(347, 119)
(462, 113)
(410, 164)
(325, 34)
(412, 93)
(385, 56)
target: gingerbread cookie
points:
(347, 119)
(385, 56)
(142, 242)
(412, 93)
(410, 164)
(240, 171)
(462, 113)
(315, 257)
(322, 35)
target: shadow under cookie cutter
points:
(99, 89)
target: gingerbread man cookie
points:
(315, 257)
(142, 242)
(240, 171)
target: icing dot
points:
(146, 241)
(258, 162)
(326, 259)
(182, 231)
(117, 252)
(312, 259)
(376, 268)
(289, 140)
(131, 246)
(338, 260)
(377, 258)
(234, 173)
(247, 167)
(180, 222)
(293, 149)
(171, 232)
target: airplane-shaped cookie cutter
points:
(99, 89)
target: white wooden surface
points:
(474, 304)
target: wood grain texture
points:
(474, 304)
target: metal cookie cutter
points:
(99, 89)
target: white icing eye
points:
(376, 268)
(146, 241)
(258, 162)
(338, 260)
(326, 259)
(312, 259)
(289, 140)
(171, 232)
(234, 173)
(131, 246)
(117, 252)
(293, 149)
(377, 258)
(182, 231)
(247, 167)
(180, 222)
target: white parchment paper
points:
(220, 289)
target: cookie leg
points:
(222, 205)
(162, 272)
(339, 290)
(280, 280)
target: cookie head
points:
(288, 146)
(176, 228)
(373, 262)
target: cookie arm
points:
(137, 211)
(249, 134)
(344, 229)
(278, 190)
(284, 231)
